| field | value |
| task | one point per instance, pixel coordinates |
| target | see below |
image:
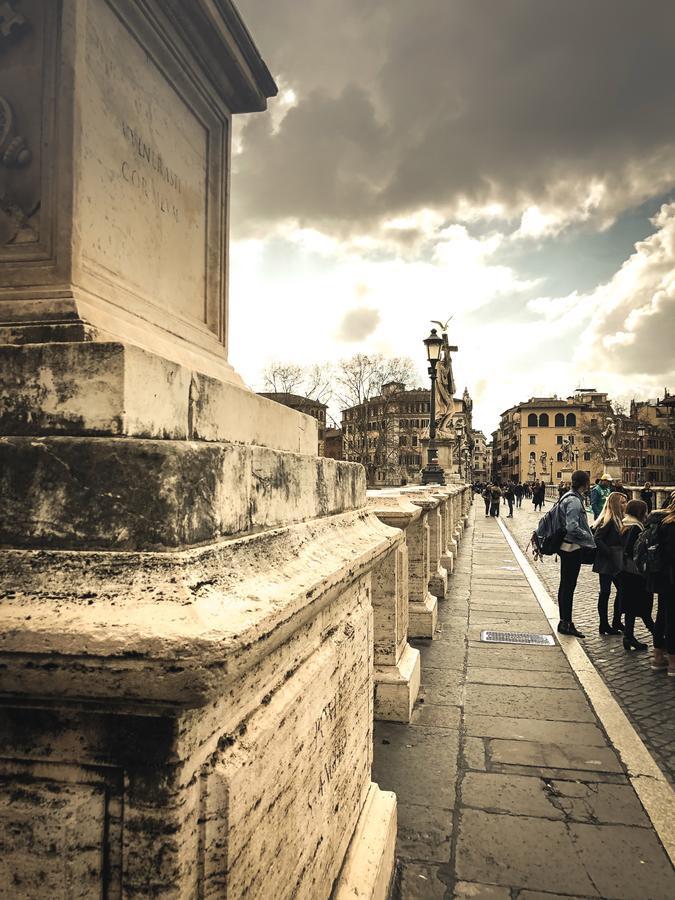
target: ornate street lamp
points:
(642, 431)
(432, 473)
(551, 476)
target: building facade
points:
(385, 434)
(482, 462)
(529, 441)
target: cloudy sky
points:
(511, 162)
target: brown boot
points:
(671, 664)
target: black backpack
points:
(550, 533)
(647, 551)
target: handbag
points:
(588, 555)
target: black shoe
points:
(562, 627)
(606, 628)
(572, 630)
(617, 625)
(632, 643)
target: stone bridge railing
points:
(408, 584)
(661, 492)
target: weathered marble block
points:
(227, 710)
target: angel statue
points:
(532, 468)
(566, 450)
(543, 459)
(609, 440)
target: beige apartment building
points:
(528, 443)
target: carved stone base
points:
(448, 561)
(396, 687)
(423, 617)
(369, 867)
(438, 583)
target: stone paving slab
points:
(483, 675)
(527, 702)
(523, 795)
(507, 785)
(534, 730)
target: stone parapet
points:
(438, 576)
(221, 697)
(121, 493)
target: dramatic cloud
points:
(497, 160)
(358, 324)
(553, 112)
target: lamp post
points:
(432, 473)
(551, 475)
(641, 431)
(576, 459)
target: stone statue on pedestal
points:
(532, 467)
(609, 441)
(445, 391)
(566, 451)
(543, 458)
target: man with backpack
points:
(576, 544)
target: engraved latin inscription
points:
(144, 175)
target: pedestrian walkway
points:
(507, 784)
(648, 699)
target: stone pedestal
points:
(397, 664)
(438, 576)
(186, 654)
(566, 474)
(612, 468)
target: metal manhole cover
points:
(516, 637)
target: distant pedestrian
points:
(563, 488)
(599, 494)
(519, 491)
(608, 560)
(647, 494)
(577, 541)
(495, 498)
(538, 495)
(509, 496)
(618, 486)
(487, 498)
(636, 601)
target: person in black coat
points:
(663, 584)
(636, 600)
(608, 560)
(495, 499)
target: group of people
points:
(512, 494)
(613, 546)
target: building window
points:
(533, 438)
(587, 457)
(543, 420)
(559, 420)
(559, 439)
(571, 420)
(587, 439)
(532, 420)
(559, 457)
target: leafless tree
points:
(372, 438)
(282, 378)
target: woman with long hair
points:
(664, 585)
(608, 560)
(636, 600)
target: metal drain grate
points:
(516, 637)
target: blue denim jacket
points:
(573, 517)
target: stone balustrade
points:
(408, 583)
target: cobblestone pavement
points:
(646, 697)
(507, 786)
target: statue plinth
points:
(185, 589)
(612, 467)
